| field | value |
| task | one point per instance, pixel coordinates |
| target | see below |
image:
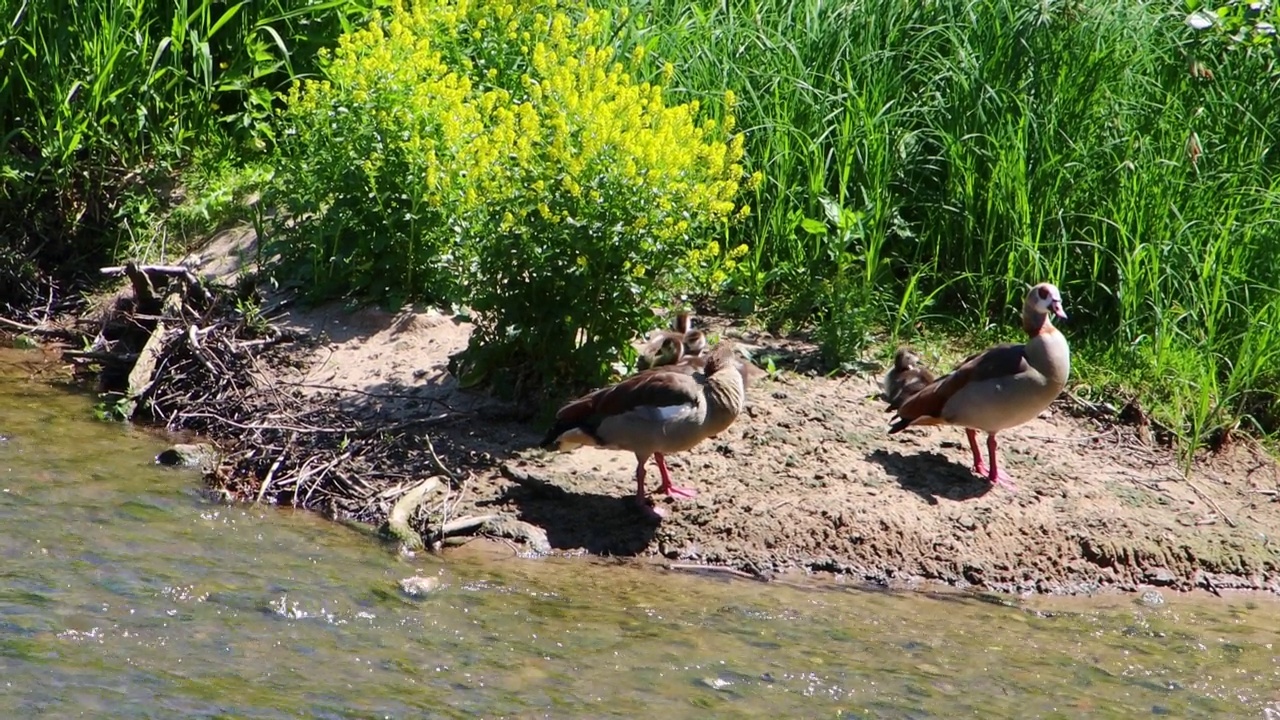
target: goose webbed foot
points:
(642, 500)
(667, 487)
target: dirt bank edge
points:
(806, 481)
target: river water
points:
(126, 594)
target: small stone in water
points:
(418, 586)
(188, 455)
(716, 683)
(1152, 598)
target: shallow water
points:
(126, 594)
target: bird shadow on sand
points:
(599, 524)
(931, 475)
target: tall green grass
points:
(926, 160)
(923, 160)
(99, 97)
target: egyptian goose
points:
(668, 347)
(1001, 387)
(906, 378)
(656, 412)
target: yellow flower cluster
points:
(515, 117)
(711, 268)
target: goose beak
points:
(1057, 310)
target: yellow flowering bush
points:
(504, 154)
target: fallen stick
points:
(20, 326)
(267, 342)
(94, 355)
(692, 567)
(141, 276)
(462, 525)
(37, 330)
(172, 270)
(319, 473)
(1203, 496)
(397, 524)
(271, 471)
(431, 448)
(193, 339)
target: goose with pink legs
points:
(999, 388)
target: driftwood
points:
(144, 278)
(171, 270)
(101, 357)
(397, 524)
(142, 376)
(39, 329)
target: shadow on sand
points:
(599, 524)
(931, 475)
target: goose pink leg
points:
(979, 467)
(996, 475)
(641, 499)
(667, 487)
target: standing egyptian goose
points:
(1001, 387)
(906, 378)
(668, 347)
(655, 413)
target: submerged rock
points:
(1151, 598)
(532, 536)
(419, 586)
(198, 455)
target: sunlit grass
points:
(971, 148)
(103, 102)
(923, 161)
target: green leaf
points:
(813, 227)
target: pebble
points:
(1151, 598)
(419, 586)
(188, 455)
(716, 683)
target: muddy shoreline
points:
(347, 412)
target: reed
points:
(921, 161)
(926, 160)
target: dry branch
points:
(41, 330)
(193, 363)
(1211, 503)
(172, 270)
(461, 525)
(398, 519)
(102, 357)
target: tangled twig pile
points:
(192, 357)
